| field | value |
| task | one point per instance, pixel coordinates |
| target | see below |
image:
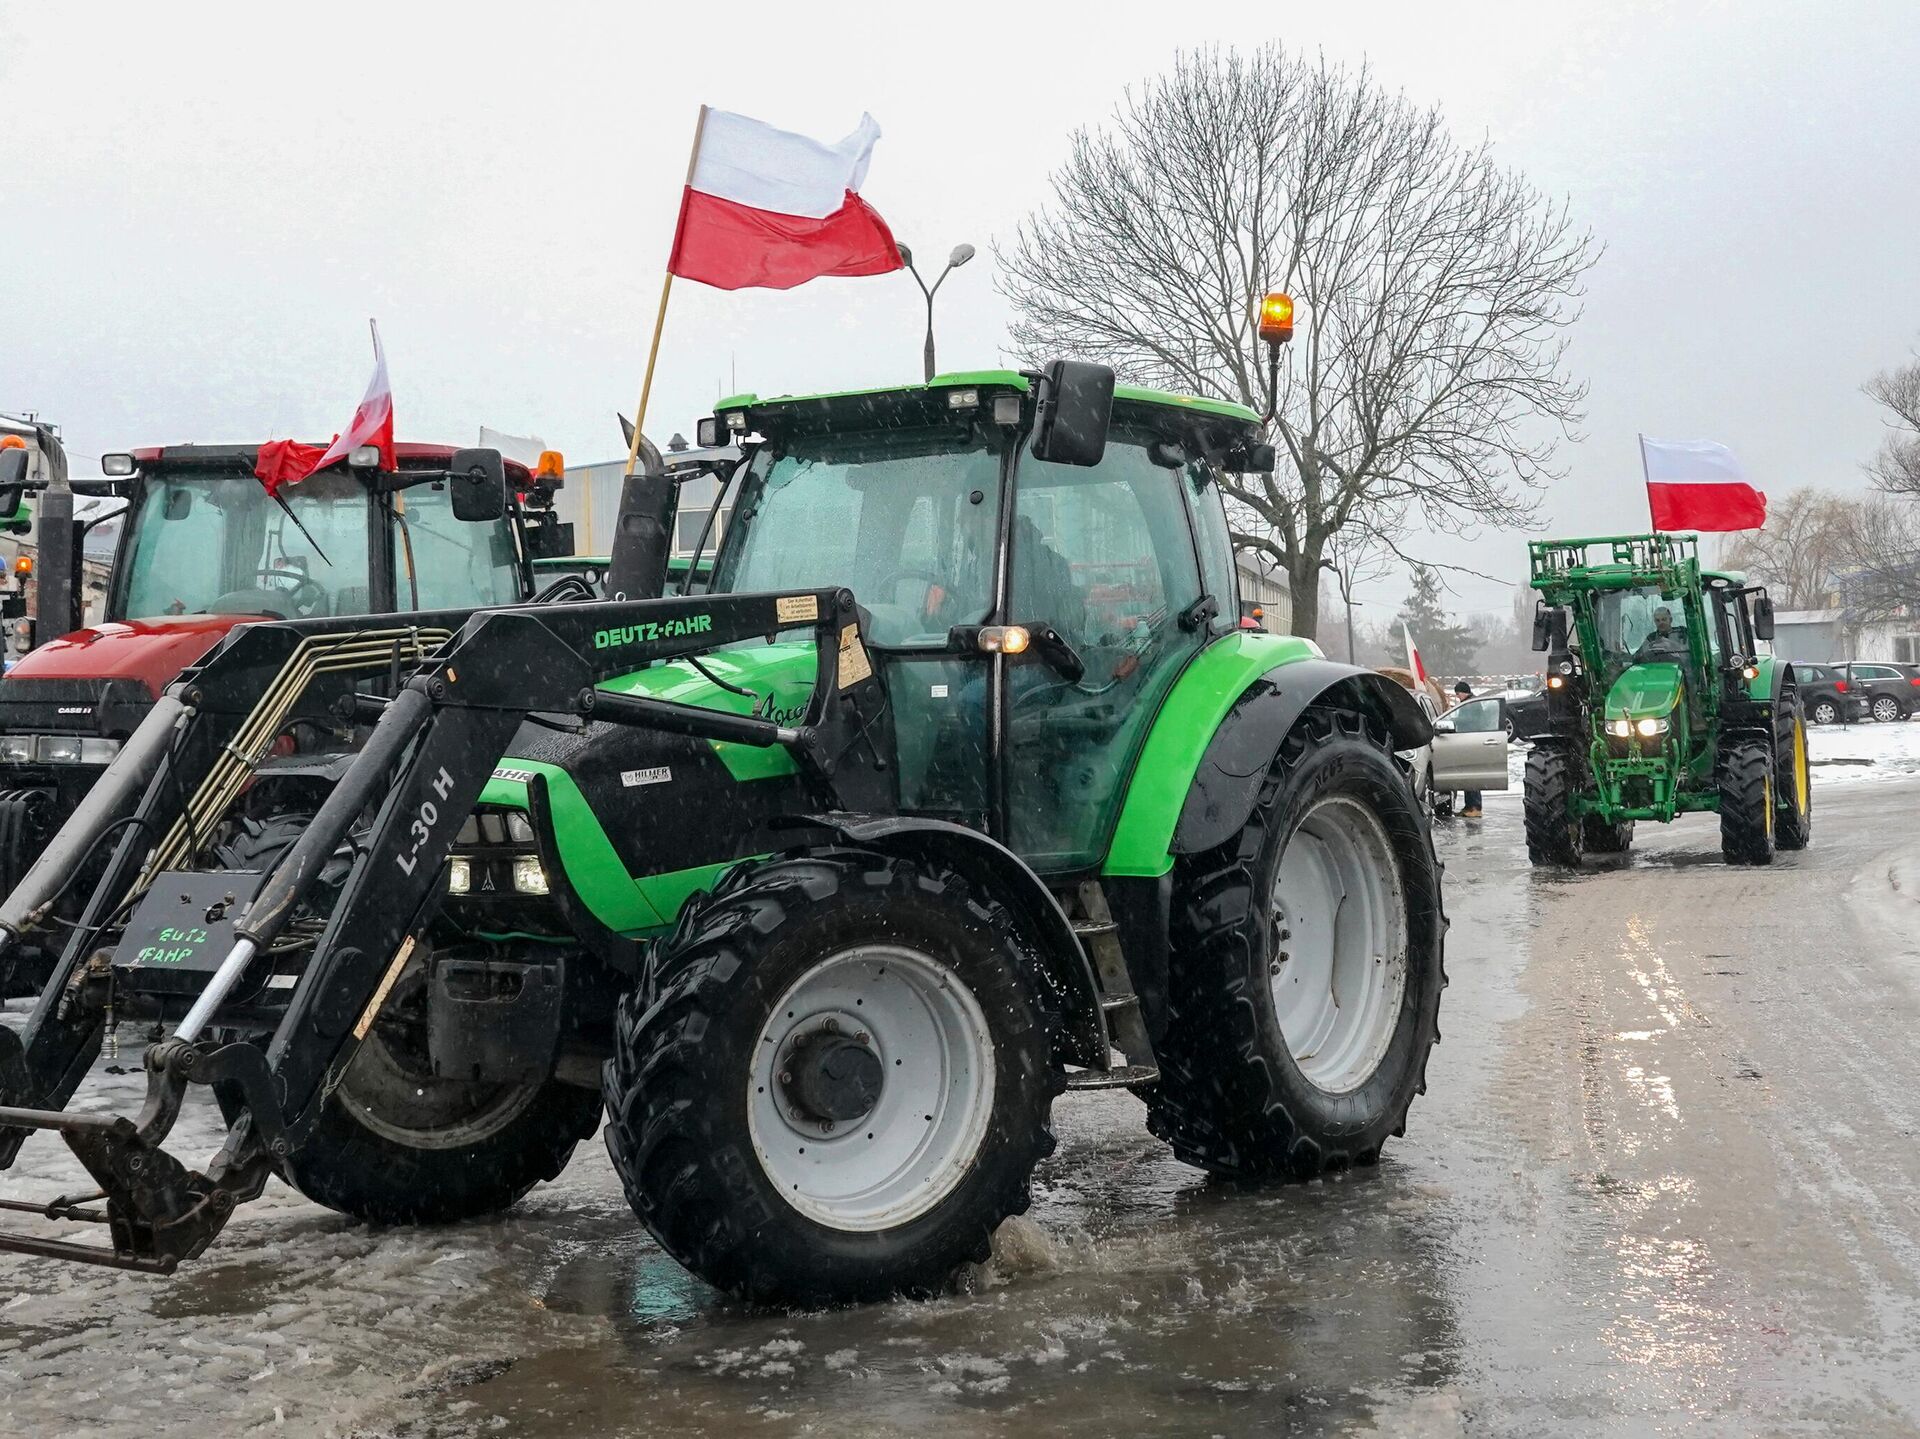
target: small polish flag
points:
(1414, 667)
(287, 462)
(770, 209)
(1698, 485)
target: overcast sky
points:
(203, 205)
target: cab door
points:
(1106, 556)
(1470, 747)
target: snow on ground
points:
(1839, 754)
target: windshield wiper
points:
(278, 500)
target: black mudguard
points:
(1227, 784)
(1081, 1035)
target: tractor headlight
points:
(459, 876)
(1621, 728)
(1651, 727)
(529, 877)
(98, 751)
(16, 749)
(58, 749)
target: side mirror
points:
(1075, 411)
(478, 479)
(1549, 627)
(13, 481)
(1762, 617)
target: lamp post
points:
(961, 254)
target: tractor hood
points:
(1648, 691)
(152, 652)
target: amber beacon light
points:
(1276, 318)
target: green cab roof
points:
(1011, 380)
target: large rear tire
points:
(842, 1083)
(397, 1144)
(1554, 836)
(1746, 803)
(1306, 967)
(1793, 777)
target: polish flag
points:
(1698, 485)
(1414, 667)
(287, 462)
(770, 209)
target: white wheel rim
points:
(1885, 710)
(1339, 965)
(935, 1089)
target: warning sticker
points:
(854, 664)
(789, 608)
(660, 774)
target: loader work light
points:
(364, 457)
(116, 467)
(1276, 318)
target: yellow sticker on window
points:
(854, 664)
(792, 608)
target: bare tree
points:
(1433, 287)
(1805, 545)
(1896, 469)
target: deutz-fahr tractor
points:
(203, 548)
(821, 899)
(1659, 702)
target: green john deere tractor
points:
(822, 897)
(1659, 702)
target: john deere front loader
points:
(962, 787)
(1659, 702)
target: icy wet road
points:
(1667, 1180)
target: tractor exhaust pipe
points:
(119, 788)
(301, 865)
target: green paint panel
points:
(1648, 691)
(1211, 686)
(588, 857)
(784, 670)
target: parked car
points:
(1892, 691)
(1827, 696)
(1523, 712)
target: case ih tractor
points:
(821, 897)
(203, 548)
(1659, 702)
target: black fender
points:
(1227, 784)
(1066, 974)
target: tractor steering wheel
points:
(306, 596)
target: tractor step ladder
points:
(1093, 922)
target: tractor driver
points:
(1665, 643)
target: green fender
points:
(1773, 672)
(1217, 733)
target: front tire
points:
(1793, 778)
(1746, 804)
(842, 1085)
(1306, 955)
(1554, 836)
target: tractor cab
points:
(1031, 606)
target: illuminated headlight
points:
(1650, 727)
(1622, 728)
(58, 749)
(963, 399)
(528, 875)
(16, 749)
(98, 751)
(737, 420)
(459, 876)
(519, 827)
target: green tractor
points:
(1659, 703)
(821, 899)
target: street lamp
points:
(961, 254)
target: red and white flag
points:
(1414, 667)
(770, 209)
(1698, 485)
(287, 462)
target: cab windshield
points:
(218, 544)
(907, 520)
(1631, 632)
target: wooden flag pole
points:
(660, 319)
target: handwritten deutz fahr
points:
(819, 899)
